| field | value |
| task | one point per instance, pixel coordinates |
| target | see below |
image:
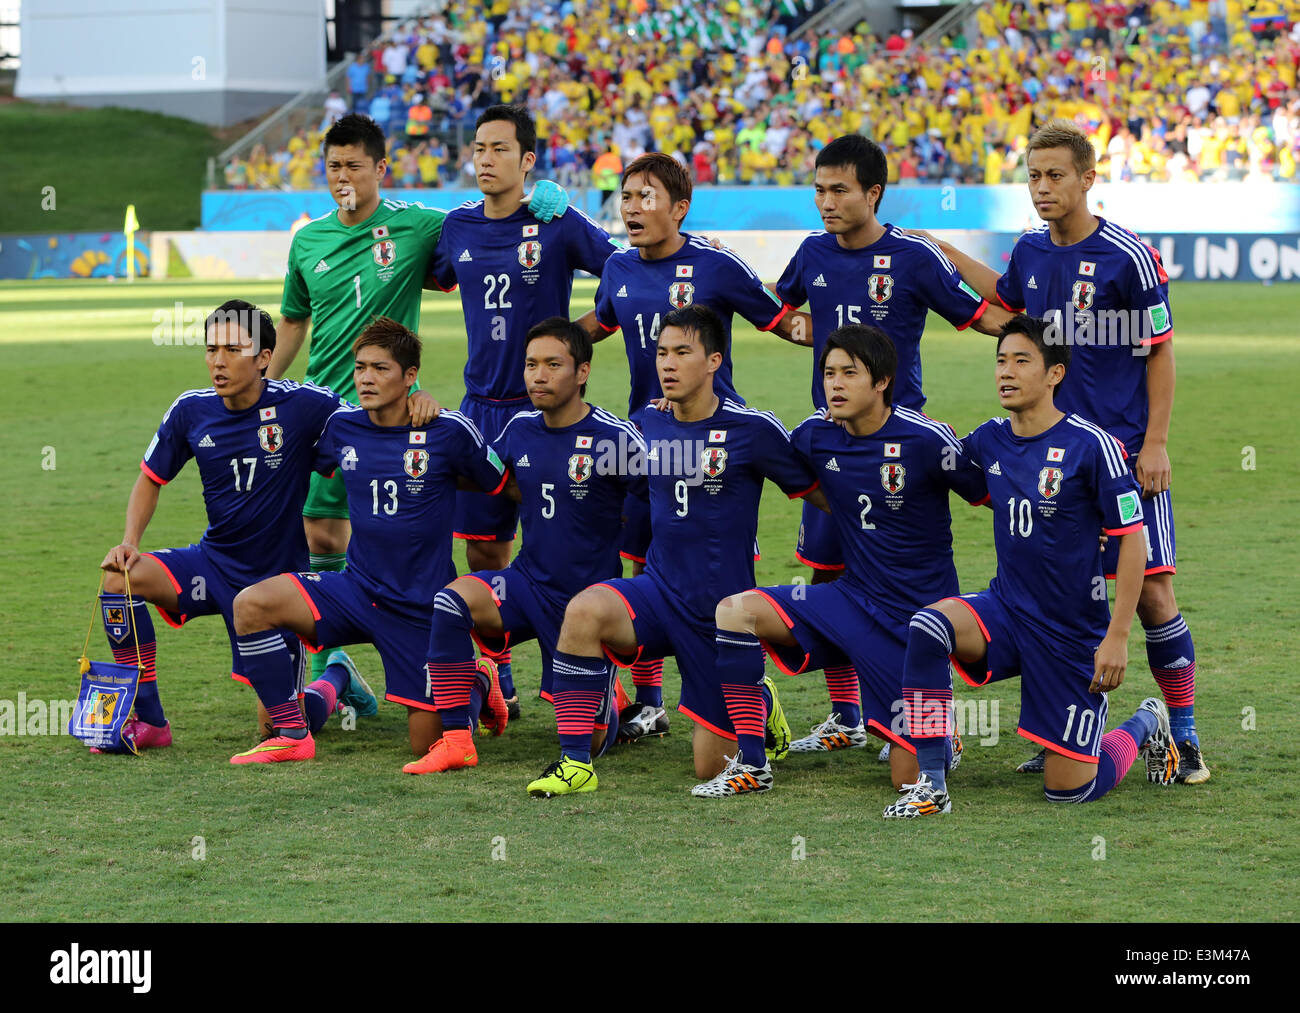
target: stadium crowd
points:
(1169, 90)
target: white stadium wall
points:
(215, 61)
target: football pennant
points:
(583, 443)
(1087, 268)
(418, 436)
(685, 270)
(530, 230)
(1055, 454)
(893, 449)
(880, 260)
(380, 232)
(717, 436)
(266, 414)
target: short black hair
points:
(356, 129)
(393, 337)
(254, 321)
(574, 337)
(865, 156)
(525, 128)
(1044, 334)
(701, 322)
(870, 346)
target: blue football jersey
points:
(705, 481)
(401, 486)
(1109, 294)
(255, 466)
(513, 272)
(890, 284)
(573, 481)
(635, 294)
(1052, 496)
(888, 494)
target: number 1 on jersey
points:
(356, 281)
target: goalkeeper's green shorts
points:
(326, 497)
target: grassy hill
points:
(98, 161)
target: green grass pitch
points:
(180, 834)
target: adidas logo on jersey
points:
(831, 465)
(321, 267)
(621, 293)
(523, 462)
(996, 469)
(819, 282)
(206, 441)
(465, 258)
(1031, 283)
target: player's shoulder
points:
(995, 427)
(931, 430)
(1036, 239)
(346, 412)
(468, 209)
(739, 414)
(817, 241)
(918, 247)
(527, 419)
(1093, 439)
(576, 218)
(625, 258)
(816, 422)
(616, 426)
(413, 208)
(1129, 250)
(316, 227)
(702, 251)
(199, 398)
(450, 420)
(301, 390)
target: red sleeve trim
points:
(785, 308)
(635, 559)
(801, 495)
(1158, 338)
(984, 304)
(438, 285)
(1124, 531)
(1009, 309)
(152, 474)
(980, 502)
(605, 327)
(505, 477)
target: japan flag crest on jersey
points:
(681, 294)
(415, 462)
(530, 253)
(1049, 482)
(271, 438)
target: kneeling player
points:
(706, 461)
(886, 473)
(401, 482)
(571, 504)
(253, 442)
(1054, 481)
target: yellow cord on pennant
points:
(84, 660)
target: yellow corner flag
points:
(130, 227)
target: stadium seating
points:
(1168, 90)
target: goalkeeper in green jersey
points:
(366, 259)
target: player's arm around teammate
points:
(1060, 708)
